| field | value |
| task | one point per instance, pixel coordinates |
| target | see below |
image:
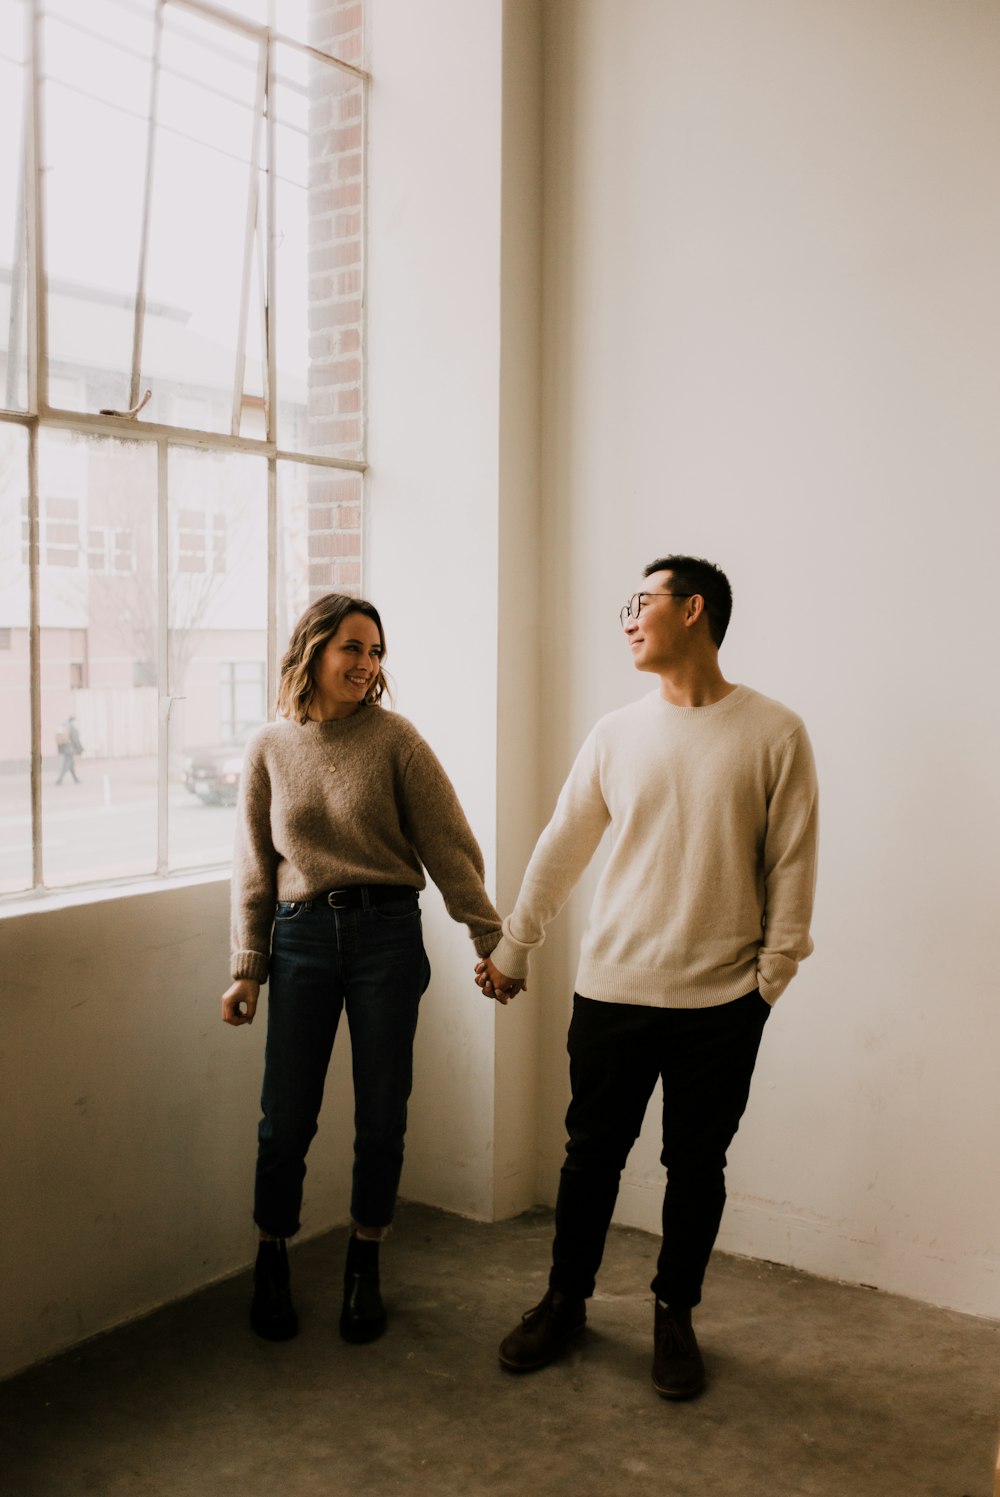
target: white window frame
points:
(41, 415)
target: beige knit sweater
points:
(708, 888)
(361, 800)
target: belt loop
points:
(366, 903)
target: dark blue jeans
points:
(369, 961)
(705, 1057)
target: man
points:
(69, 744)
(699, 922)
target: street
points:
(105, 827)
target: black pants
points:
(705, 1057)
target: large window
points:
(181, 406)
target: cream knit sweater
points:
(361, 800)
(708, 888)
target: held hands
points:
(239, 1002)
(493, 983)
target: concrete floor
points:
(816, 1389)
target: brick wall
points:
(335, 402)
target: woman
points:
(342, 806)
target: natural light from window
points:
(181, 407)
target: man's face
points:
(658, 638)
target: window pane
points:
(205, 130)
(97, 593)
(318, 258)
(218, 642)
(96, 98)
(13, 244)
(15, 711)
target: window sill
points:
(37, 902)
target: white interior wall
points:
(451, 489)
(769, 332)
(772, 315)
(127, 1170)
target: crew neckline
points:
(738, 694)
(337, 724)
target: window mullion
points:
(164, 684)
(35, 658)
(273, 553)
(253, 198)
(270, 272)
(37, 292)
(19, 271)
(271, 392)
(147, 208)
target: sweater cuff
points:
(511, 958)
(487, 943)
(252, 964)
(774, 973)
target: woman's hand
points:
(496, 984)
(239, 1002)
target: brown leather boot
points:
(543, 1332)
(678, 1371)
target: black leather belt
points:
(356, 895)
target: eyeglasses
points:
(635, 604)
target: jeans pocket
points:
(288, 909)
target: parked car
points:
(213, 774)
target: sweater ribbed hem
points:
(649, 989)
(252, 964)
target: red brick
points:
(349, 282)
(322, 403)
(346, 371)
(346, 138)
(347, 252)
(331, 342)
(333, 314)
(327, 433)
(334, 543)
(322, 288)
(347, 486)
(349, 17)
(325, 200)
(348, 401)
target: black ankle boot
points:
(363, 1317)
(272, 1314)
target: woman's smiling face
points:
(346, 668)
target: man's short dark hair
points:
(693, 574)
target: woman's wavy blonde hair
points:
(312, 633)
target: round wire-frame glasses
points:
(633, 607)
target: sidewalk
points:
(105, 826)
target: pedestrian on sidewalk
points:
(70, 747)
